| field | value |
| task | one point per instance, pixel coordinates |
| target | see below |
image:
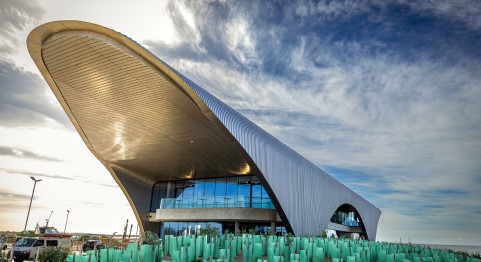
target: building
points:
(181, 156)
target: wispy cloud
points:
(37, 175)
(22, 153)
(5, 194)
(464, 11)
(25, 100)
(12, 203)
(16, 15)
(74, 178)
(385, 95)
(24, 97)
(109, 185)
(329, 10)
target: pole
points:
(130, 233)
(125, 231)
(66, 220)
(31, 198)
(46, 225)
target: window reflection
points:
(187, 228)
(225, 192)
(192, 228)
(346, 215)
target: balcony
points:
(236, 201)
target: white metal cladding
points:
(305, 194)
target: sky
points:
(382, 95)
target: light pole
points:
(66, 220)
(31, 198)
(48, 220)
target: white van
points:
(26, 248)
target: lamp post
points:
(66, 220)
(48, 220)
(31, 198)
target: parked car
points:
(92, 245)
(26, 248)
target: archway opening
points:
(347, 222)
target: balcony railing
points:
(216, 202)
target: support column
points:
(236, 228)
(273, 227)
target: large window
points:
(225, 192)
(346, 215)
(191, 228)
(187, 228)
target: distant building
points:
(183, 158)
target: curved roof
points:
(147, 122)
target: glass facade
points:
(346, 215)
(225, 192)
(186, 228)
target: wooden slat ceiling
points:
(134, 116)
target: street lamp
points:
(66, 220)
(31, 198)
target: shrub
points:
(209, 231)
(324, 233)
(3, 256)
(53, 254)
(151, 238)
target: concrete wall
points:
(216, 214)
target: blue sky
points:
(383, 95)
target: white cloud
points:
(16, 16)
(330, 9)
(240, 42)
(378, 113)
(166, 32)
(411, 126)
(25, 100)
(185, 23)
(465, 11)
